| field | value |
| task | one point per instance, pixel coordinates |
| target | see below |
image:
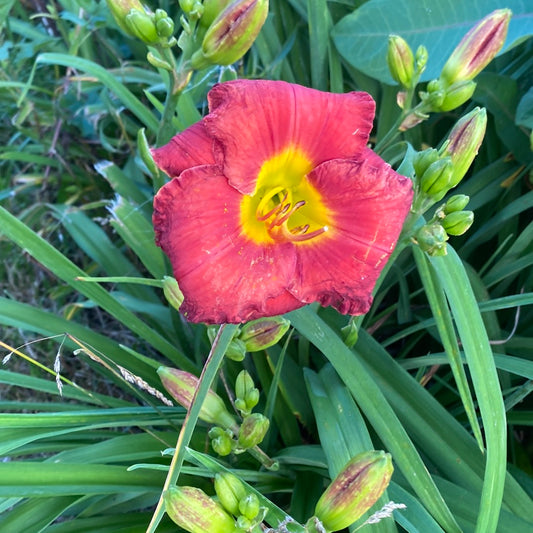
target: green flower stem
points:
(263, 458)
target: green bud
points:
(264, 332)
(477, 48)
(244, 524)
(457, 202)
(457, 94)
(232, 33)
(194, 511)
(253, 430)
(142, 26)
(350, 334)
(247, 396)
(182, 385)
(422, 160)
(164, 25)
(230, 491)
(249, 506)
(187, 5)
(400, 60)
(435, 182)
(355, 490)
(236, 350)
(458, 222)
(221, 441)
(421, 58)
(464, 141)
(432, 239)
(172, 292)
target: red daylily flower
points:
(276, 203)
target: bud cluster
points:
(438, 171)
(237, 510)
(226, 436)
(137, 20)
(476, 50)
(449, 219)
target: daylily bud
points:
(432, 239)
(221, 441)
(194, 511)
(236, 350)
(163, 24)
(263, 332)
(457, 94)
(181, 386)
(253, 430)
(249, 506)
(422, 160)
(247, 396)
(421, 58)
(172, 292)
(477, 48)
(230, 491)
(456, 203)
(400, 60)
(232, 33)
(120, 9)
(212, 8)
(458, 222)
(142, 25)
(357, 487)
(435, 181)
(464, 142)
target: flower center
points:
(284, 207)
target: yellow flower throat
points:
(284, 207)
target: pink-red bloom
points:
(276, 202)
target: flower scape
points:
(276, 202)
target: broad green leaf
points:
(362, 37)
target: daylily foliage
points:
(277, 202)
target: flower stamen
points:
(277, 218)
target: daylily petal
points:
(223, 276)
(369, 202)
(193, 147)
(257, 120)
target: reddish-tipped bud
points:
(355, 490)
(232, 33)
(464, 141)
(401, 60)
(263, 332)
(182, 385)
(477, 48)
(253, 430)
(194, 511)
